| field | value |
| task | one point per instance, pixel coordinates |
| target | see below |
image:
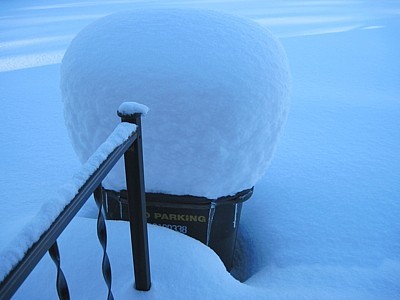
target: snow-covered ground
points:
(323, 222)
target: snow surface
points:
(50, 210)
(322, 224)
(218, 87)
(130, 108)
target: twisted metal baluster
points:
(61, 283)
(102, 235)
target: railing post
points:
(134, 172)
(61, 282)
(102, 236)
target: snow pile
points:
(217, 85)
(131, 108)
(324, 223)
(30, 234)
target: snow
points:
(50, 210)
(322, 223)
(130, 108)
(218, 87)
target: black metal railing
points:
(133, 156)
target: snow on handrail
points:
(27, 248)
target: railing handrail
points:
(24, 267)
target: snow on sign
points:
(217, 86)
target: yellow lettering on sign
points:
(178, 217)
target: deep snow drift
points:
(324, 221)
(217, 86)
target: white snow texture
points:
(130, 108)
(217, 86)
(51, 209)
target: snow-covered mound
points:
(217, 87)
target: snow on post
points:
(131, 108)
(218, 87)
